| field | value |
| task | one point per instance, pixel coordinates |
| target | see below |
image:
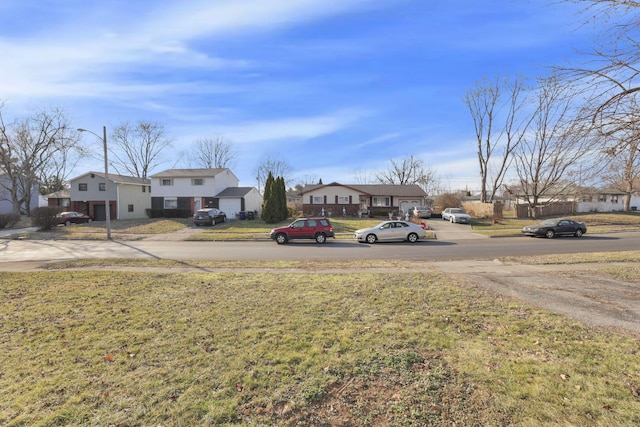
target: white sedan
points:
(388, 231)
(456, 215)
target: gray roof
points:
(62, 194)
(235, 192)
(119, 179)
(188, 173)
(412, 190)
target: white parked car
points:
(391, 230)
(456, 215)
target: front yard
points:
(344, 227)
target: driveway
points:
(579, 291)
(444, 230)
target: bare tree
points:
(495, 109)
(136, 150)
(622, 156)
(549, 159)
(54, 175)
(270, 163)
(29, 146)
(610, 78)
(362, 176)
(409, 171)
(216, 152)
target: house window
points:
(149, 189)
(602, 198)
(102, 186)
(82, 186)
(166, 182)
(318, 200)
(171, 203)
(614, 199)
(144, 188)
(343, 200)
(381, 201)
(130, 208)
(197, 181)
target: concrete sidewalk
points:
(11, 232)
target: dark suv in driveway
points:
(304, 228)
(209, 216)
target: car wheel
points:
(550, 234)
(321, 238)
(578, 232)
(67, 223)
(413, 237)
(371, 238)
(281, 238)
(451, 220)
(224, 218)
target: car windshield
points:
(549, 222)
(457, 211)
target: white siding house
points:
(234, 200)
(129, 197)
(193, 189)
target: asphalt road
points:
(576, 291)
(471, 248)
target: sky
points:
(334, 88)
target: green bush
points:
(8, 220)
(45, 217)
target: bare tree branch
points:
(213, 153)
(137, 150)
(495, 109)
(28, 148)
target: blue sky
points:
(336, 88)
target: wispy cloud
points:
(296, 128)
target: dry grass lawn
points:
(287, 346)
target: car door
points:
(296, 229)
(385, 231)
(565, 227)
(400, 230)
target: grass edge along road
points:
(90, 347)
(344, 227)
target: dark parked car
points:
(68, 218)
(551, 228)
(209, 216)
(304, 228)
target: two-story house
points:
(193, 189)
(129, 197)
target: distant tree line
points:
(575, 128)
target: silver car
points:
(388, 231)
(456, 215)
(421, 212)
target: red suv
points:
(304, 228)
